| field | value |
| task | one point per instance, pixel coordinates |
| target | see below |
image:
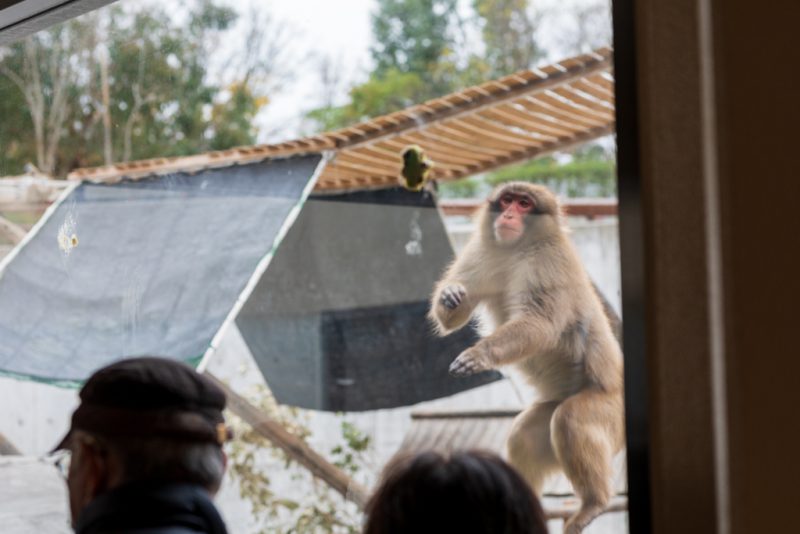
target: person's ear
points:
(95, 463)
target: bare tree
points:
(265, 58)
(45, 81)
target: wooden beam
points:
(296, 448)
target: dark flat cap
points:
(150, 396)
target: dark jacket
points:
(151, 509)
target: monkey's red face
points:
(510, 223)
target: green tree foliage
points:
(314, 508)
(38, 85)
(161, 99)
(590, 172)
(508, 32)
(412, 36)
(414, 58)
(393, 91)
(426, 48)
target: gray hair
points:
(167, 459)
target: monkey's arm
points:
(519, 338)
(458, 293)
(451, 306)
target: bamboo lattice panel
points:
(511, 119)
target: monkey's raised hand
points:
(452, 296)
(473, 360)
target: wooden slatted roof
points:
(503, 121)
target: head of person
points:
(469, 492)
(144, 420)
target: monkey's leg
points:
(585, 430)
(529, 445)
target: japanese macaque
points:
(549, 323)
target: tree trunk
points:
(107, 153)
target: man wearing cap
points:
(145, 450)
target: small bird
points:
(416, 168)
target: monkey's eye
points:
(525, 203)
(506, 201)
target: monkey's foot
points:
(469, 362)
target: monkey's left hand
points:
(473, 360)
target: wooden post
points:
(295, 447)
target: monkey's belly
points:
(555, 375)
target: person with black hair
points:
(470, 492)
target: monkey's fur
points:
(550, 323)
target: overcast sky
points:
(341, 31)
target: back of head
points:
(158, 419)
(467, 492)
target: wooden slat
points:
(560, 112)
(361, 174)
(509, 142)
(600, 92)
(387, 165)
(546, 148)
(474, 137)
(400, 142)
(587, 105)
(335, 171)
(521, 120)
(555, 77)
(356, 169)
(432, 147)
(499, 130)
(443, 136)
(573, 108)
(584, 99)
(554, 118)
